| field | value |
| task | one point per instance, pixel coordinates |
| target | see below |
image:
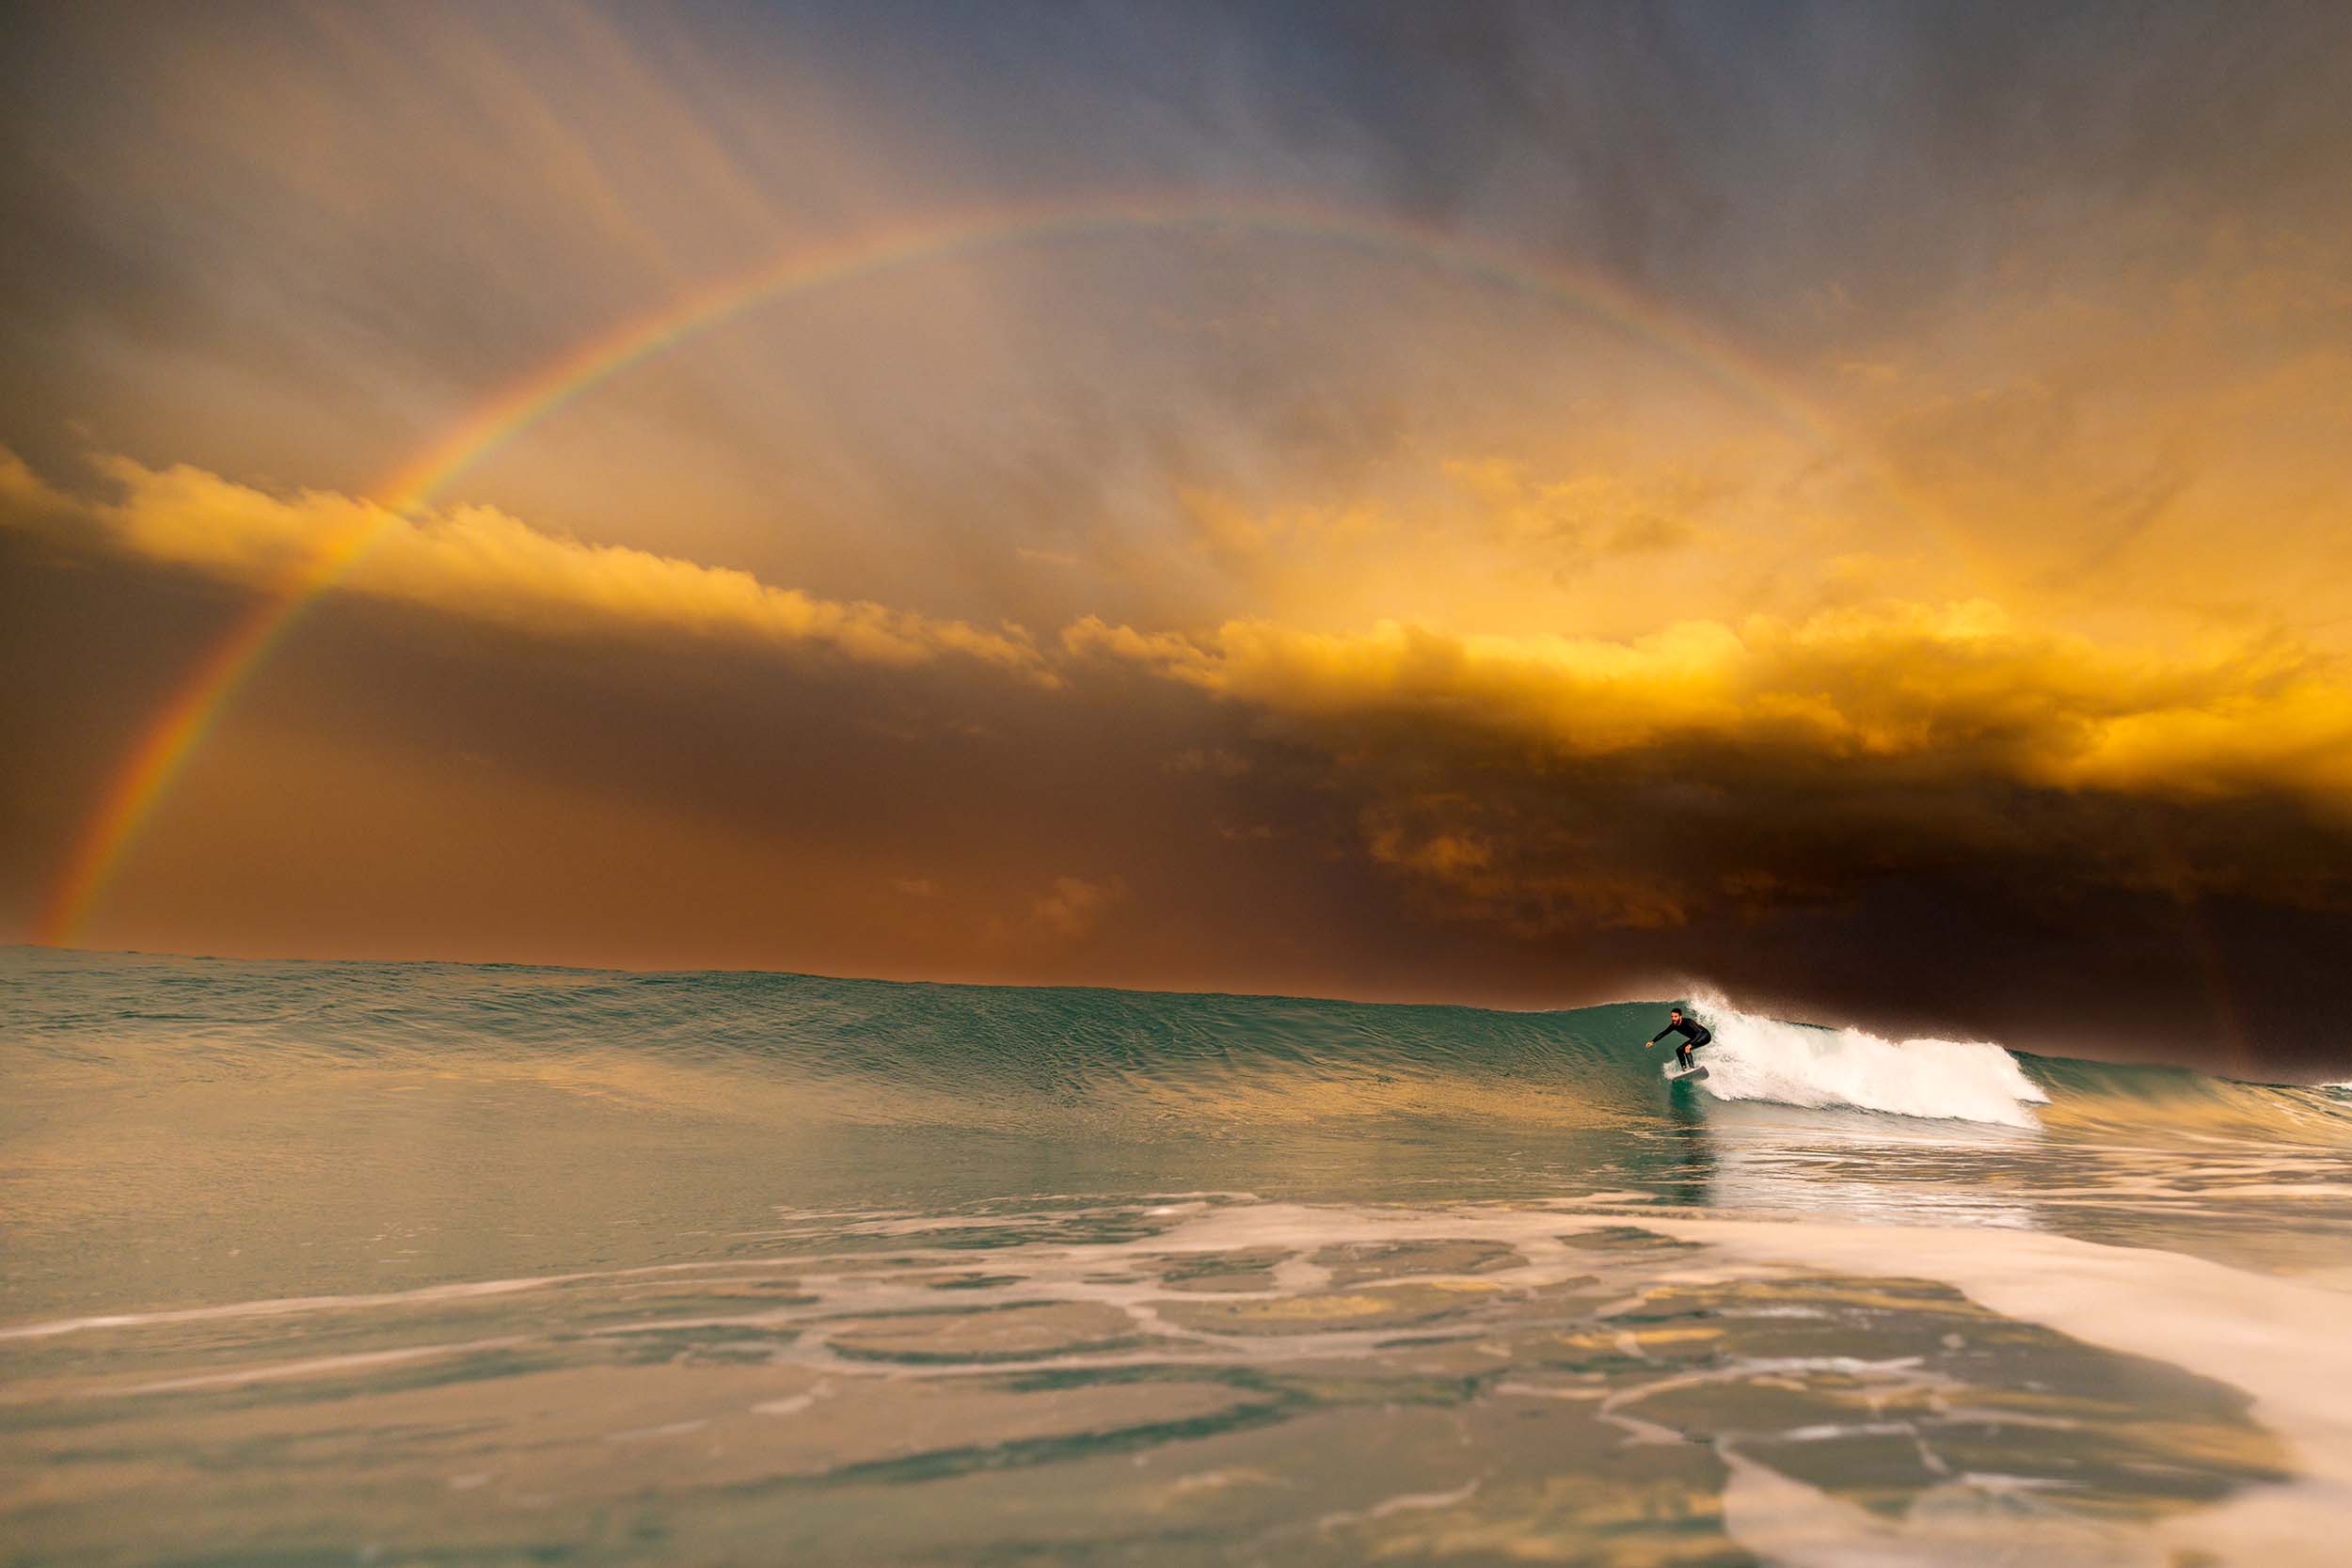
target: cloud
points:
(480, 563)
(26, 499)
(1698, 785)
(1512, 878)
(1591, 513)
(1956, 688)
(1214, 760)
(1532, 781)
(1075, 907)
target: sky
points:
(1843, 507)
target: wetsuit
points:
(1694, 1036)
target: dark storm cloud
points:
(1952, 899)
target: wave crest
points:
(1796, 1063)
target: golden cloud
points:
(479, 562)
(1955, 688)
(1958, 687)
(1594, 511)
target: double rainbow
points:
(181, 726)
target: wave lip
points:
(1796, 1063)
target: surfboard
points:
(1686, 1073)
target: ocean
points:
(479, 1264)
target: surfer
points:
(1694, 1036)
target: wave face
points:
(880, 1052)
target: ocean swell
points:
(799, 1051)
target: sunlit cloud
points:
(479, 562)
(1959, 687)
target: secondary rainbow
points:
(179, 727)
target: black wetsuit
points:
(1694, 1036)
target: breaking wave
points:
(797, 1050)
(1797, 1064)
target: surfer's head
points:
(1674, 1012)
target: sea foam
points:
(1794, 1064)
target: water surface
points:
(477, 1264)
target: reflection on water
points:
(2282, 1210)
(354, 1264)
(1215, 1377)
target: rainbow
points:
(181, 726)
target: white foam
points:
(2278, 1340)
(1762, 1058)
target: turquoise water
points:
(482, 1264)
